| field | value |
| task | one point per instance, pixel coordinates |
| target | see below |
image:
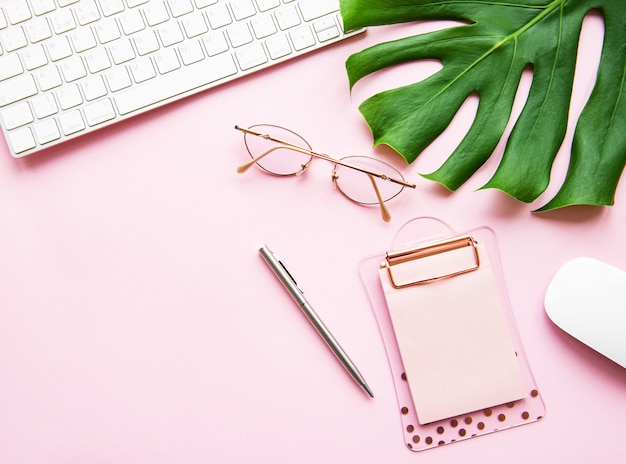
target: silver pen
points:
(292, 287)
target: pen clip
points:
(288, 273)
(278, 266)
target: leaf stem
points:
(511, 37)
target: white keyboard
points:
(68, 67)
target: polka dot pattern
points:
(420, 437)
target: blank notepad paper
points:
(453, 338)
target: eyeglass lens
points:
(357, 185)
(281, 161)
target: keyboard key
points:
(121, 51)
(324, 23)
(215, 43)
(44, 105)
(218, 16)
(239, 34)
(58, 48)
(278, 47)
(142, 69)
(38, 30)
(62, 21)
(194, 25)
(251, 56)
(97, 60)
(72, 122)
(34, 57)
(87, 12)
(13, 38)
(111, 7)
(48, 77)
(242, 9)
(326, 28)
(263, 26)
(166, 60)
(10, 66)
(266, 5)
(146, 42)
(42, 6)
(22, 140)
(204, 3)
(93, 88)
(170, 34)
(302, 38)
(17, 89)
(328, 34)
(191, 52)
(134, 3)
(83, 39)
(99, 112)
(132, 21)
(73, 68)
(175, 83)
(17, 11)
(69, 96)
(118, 79)
(287, 18)
(313, 9)
(47, 131)
(180, 7)
(156, 13)
(17, 115)
(107, 30)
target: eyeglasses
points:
(282, 152)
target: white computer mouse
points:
(587, 299)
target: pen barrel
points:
(332, 343)
(296, 293)
(326, 335)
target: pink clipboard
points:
(456, 358)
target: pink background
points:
(138, 323)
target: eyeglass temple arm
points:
(384, 211)
(317, 155)
(244, 167)
(366, 171)
(274, 139)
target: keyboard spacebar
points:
(175, 83)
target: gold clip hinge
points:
(406, 255)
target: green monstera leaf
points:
(486, 56)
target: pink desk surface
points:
(138, 324)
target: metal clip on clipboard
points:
(396, 258)
(425, 254)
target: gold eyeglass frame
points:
(386, 216)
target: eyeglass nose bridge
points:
(303, 168)
(334, 177)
